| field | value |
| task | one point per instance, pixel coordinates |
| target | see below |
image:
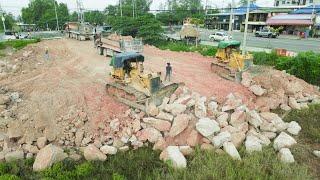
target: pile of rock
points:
(187, 119)
(180, 123)
(277, 89)
(21, 62)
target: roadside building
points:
(257, 18)
(305, 19)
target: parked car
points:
(266, 33)
(220, 36)
(8, 35)
(22, 36)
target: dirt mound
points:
(279, 89)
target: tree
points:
(42, 13)
(9, 21)
(94, 17)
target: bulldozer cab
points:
(124, 64)
(128, 68)
(227, 49)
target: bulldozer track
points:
(223, 70)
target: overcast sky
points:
(14, 6)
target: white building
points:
(290, 3)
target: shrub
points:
(305, 66)
(9, 177)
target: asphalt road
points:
(291, 43)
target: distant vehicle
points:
(266, 33)
(79, 30)
(8, 35)
(22, 36)
(220, 36)
(104, 30)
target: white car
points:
(8, 35)
(220, 36)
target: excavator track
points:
(223, 70)
(127, 95)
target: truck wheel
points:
(101, 51)
(270, 36)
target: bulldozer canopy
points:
(225, 44)
(120, 59)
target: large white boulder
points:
(252, 144)
(47, 156)
(179, 124)
(165, 116)
(254, 119)
(223, 119)
(173, 154)
(286, 156)
(283, 141)
(294, 128)
(92, 153)
(221, 138)
(230, 149)
(207, 127)
(200, 109)
(316, 153)
(257, 90)
(108, 149)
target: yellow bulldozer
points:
(229, 63)
(133, 86)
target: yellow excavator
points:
(133, 86)
(229, 63)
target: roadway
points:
(291, 43)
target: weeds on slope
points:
(17, 44)
(183, 47)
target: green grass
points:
(183, 47)
(17, 44)
(144, 163)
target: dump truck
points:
(134, 86)
(228, 62)
(79, 31)
(115, 43)
(189, 32)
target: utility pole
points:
(244, 47)
(55, 9)
(133, 9)
(80, 11)
(3, 19)
(120, 2)
(231, 19)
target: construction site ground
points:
(75, 75)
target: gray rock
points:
(47, 156)
(230, 149)
(221, 138)
(283, 141)
(92, 153)
(108, 149)
(207, 127)
(257, 90)
(173, 154)
(14, 156)
(316, 153)
(286, 156)
(294, 128)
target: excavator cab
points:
(133, 85)
(229, 62)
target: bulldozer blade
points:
(165, 91)
(223, 71)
